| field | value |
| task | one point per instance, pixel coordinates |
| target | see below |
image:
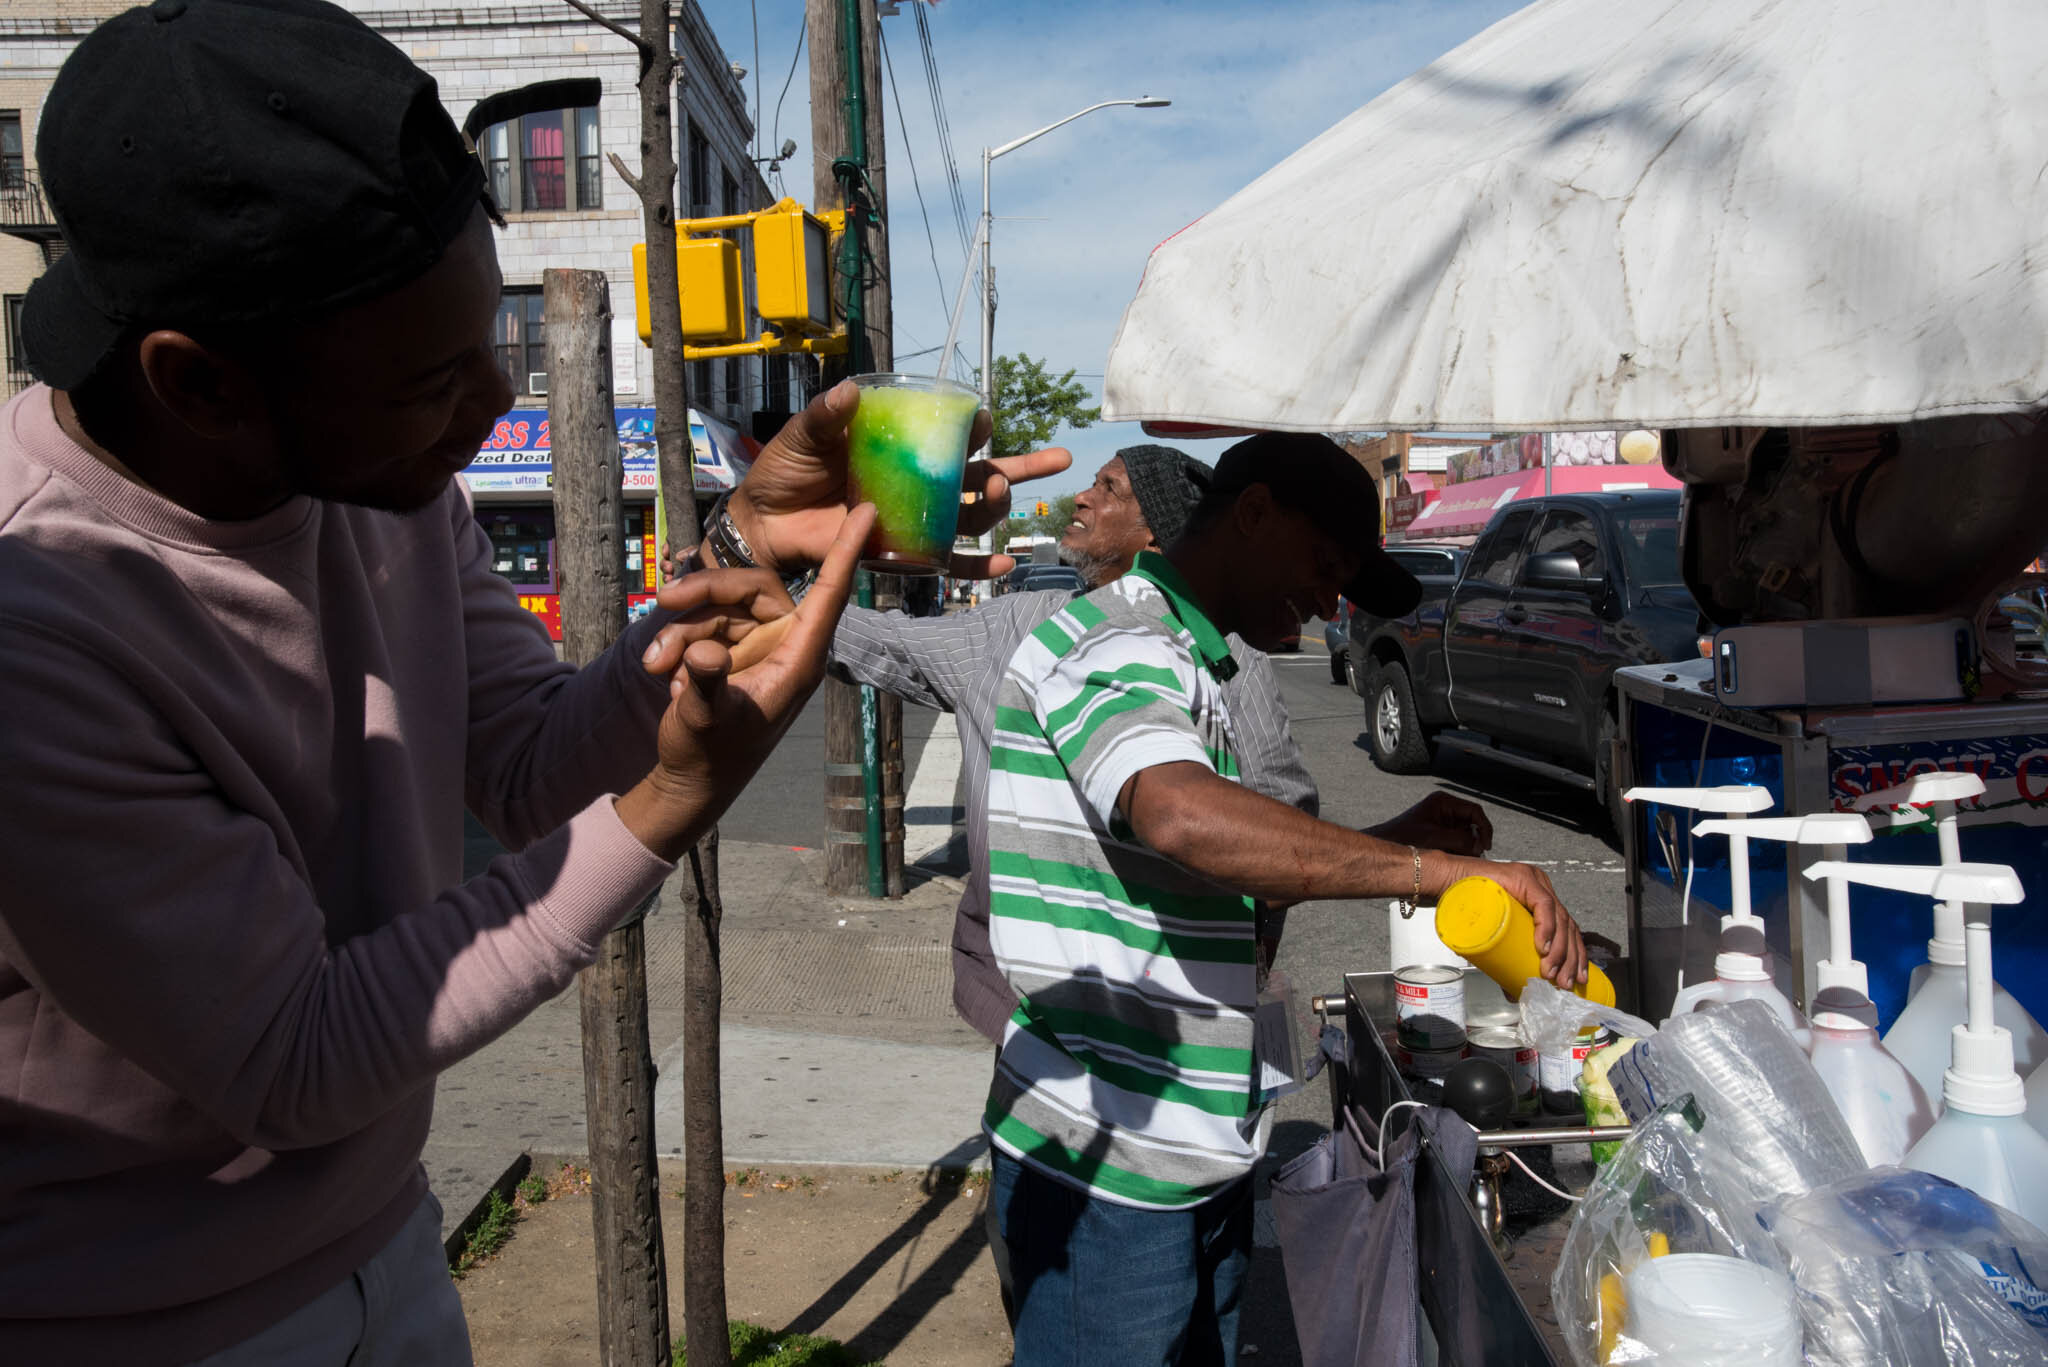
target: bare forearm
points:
(1269, 850)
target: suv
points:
(1515, 658)
(1032, 578)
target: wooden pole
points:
(618, 1063)
(846, 852)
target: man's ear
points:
(1251, 510)
(212, 393)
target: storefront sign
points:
(1403, 509)
(518, 458)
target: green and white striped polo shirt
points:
(1127, 1069)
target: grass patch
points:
(754, 1346)
(488, 1237)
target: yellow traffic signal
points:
(708, 281)
(793, 269)
(1043, 508)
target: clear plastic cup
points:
(906, 452)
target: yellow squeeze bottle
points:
(1480, 921)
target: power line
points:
(943, 125)
(803, 29)
(889, 63)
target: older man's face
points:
(1108, 529)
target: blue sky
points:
(1078, 211)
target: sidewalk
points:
(839, 1043)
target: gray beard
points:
(1095, 570)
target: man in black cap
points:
(258, 664)
(1127, 853)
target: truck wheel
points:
(1606, 783)
(1393, 732)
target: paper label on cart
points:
(1632, 1085)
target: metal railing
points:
(22, 203)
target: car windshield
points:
(1649, 543)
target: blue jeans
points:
(1097, 1284)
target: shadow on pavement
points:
(943, 1185)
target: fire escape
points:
(25, 213)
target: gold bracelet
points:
(1416, 854)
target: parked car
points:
(1337, 639)
(1435, 564)
(1514, 658)
(1032, 578)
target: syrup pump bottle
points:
(1937, 995)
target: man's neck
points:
(179, 475)
(1206, 575)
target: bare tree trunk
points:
(704, 1309)
(618, 1064)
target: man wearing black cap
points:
(258, 664)
(1125, 854)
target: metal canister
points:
(1425, 1068)
(1558, 1071)
(1429, 1007)
(1505, 1046)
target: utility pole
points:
(863, 728)
(618, 1062)
(704, 1309)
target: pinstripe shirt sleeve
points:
(930, 661)
(1271, 761)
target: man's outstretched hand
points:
(720, 726)
(789, 506)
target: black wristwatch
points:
(729, 549)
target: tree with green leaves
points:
(1031, 404)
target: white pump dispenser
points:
(1742, 968)
(1982, 1140)
(1885, 1108)
(1936, 999)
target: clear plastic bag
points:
(1902, 1268)
(1551, 1016)
(1758, 1091)
(1670, 1186)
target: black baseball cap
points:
(1317, 478)
(223, 162)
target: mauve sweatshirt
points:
(235, 943)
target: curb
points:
(503, 1187)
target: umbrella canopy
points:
(1663, 213)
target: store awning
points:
(1462, 509)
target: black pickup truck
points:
(1514, 658)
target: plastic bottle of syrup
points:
(1885, 1108)
(1481, 921)
(2037, 1098)
(1937, 994)
(1982, 1140)
(1742, 967)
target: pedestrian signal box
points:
(708, 279)
(793, 269)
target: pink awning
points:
(1467, 507)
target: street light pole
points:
(988, 275)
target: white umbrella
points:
(1660, 213)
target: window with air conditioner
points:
(519, 338)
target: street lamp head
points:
(1153, 102)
